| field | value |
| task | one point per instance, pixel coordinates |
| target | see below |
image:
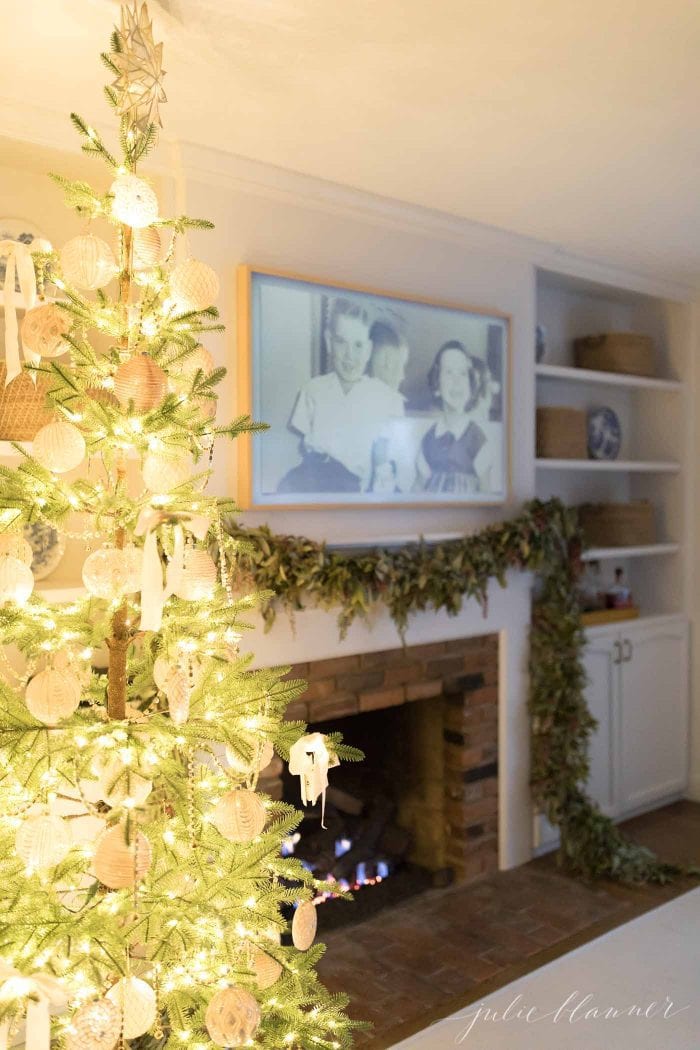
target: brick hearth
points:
(458, 748)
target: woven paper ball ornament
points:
(112, 572)
(198, 579)
(147, 248)
(141, 381)
(14, 545)
(232, 1017)
(119, 864)
(193, 285)
(44, 330)
(266, 969)
(236, 763)
(133, 201)
(53, 695)
(16, 580)
(88, 262)
(115, 784)
(162, 473)
(304, 926)
(239, 816)
(95, 1026)
(59, 447)
(136, 1002)
(42, 841)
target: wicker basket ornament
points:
(24, 407)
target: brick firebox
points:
(459, 679)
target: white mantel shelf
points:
(639, 466)
(589, 375)
(648, 551)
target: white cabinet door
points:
(653, 713)
(601, 663)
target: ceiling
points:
(572, 122)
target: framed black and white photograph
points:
(371, 397)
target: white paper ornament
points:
(163, 671)
(178, 692)
(310, 759)
(266, 969)
(53, 695)
(147, 248)
(163, 472)
(88, 262)
(42, 841)
(193, 285)
(16, 581)
(112, 572)
(44, 329)
(14, 545)
(198, 580)
(141, 383)
(232, 1017)
(200, 360)
(262, 756)
(59, 447)
(136, 1002)
(95, 1026)
(119, 864)
(304, 926)
(133, 201)
(239, 816)
(117, 782)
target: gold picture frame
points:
(374, 398)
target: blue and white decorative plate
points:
(604, 434)
(48, 546)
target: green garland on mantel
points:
(544, 539)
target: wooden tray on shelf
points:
(602, 616)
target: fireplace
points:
(422, 809)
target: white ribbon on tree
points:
(310, 759)
(154, 593)
(21, 264)
(39, 994)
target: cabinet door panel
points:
(603, 675)
(654, 714)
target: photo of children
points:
(374, 399)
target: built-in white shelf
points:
(589, 375)
(648, 551)
(634, 466)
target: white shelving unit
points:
(625, 466)
(587, 375)
(653, 414)
(651, 550)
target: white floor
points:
(648, 970)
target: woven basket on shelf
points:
(618, 524)
(23, 406)
(561, 433)
(625, 352)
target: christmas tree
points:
(145, 901)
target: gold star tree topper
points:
(139, 60)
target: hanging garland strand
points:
(544, 539)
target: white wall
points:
(270, 218)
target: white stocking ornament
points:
(310, 759)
